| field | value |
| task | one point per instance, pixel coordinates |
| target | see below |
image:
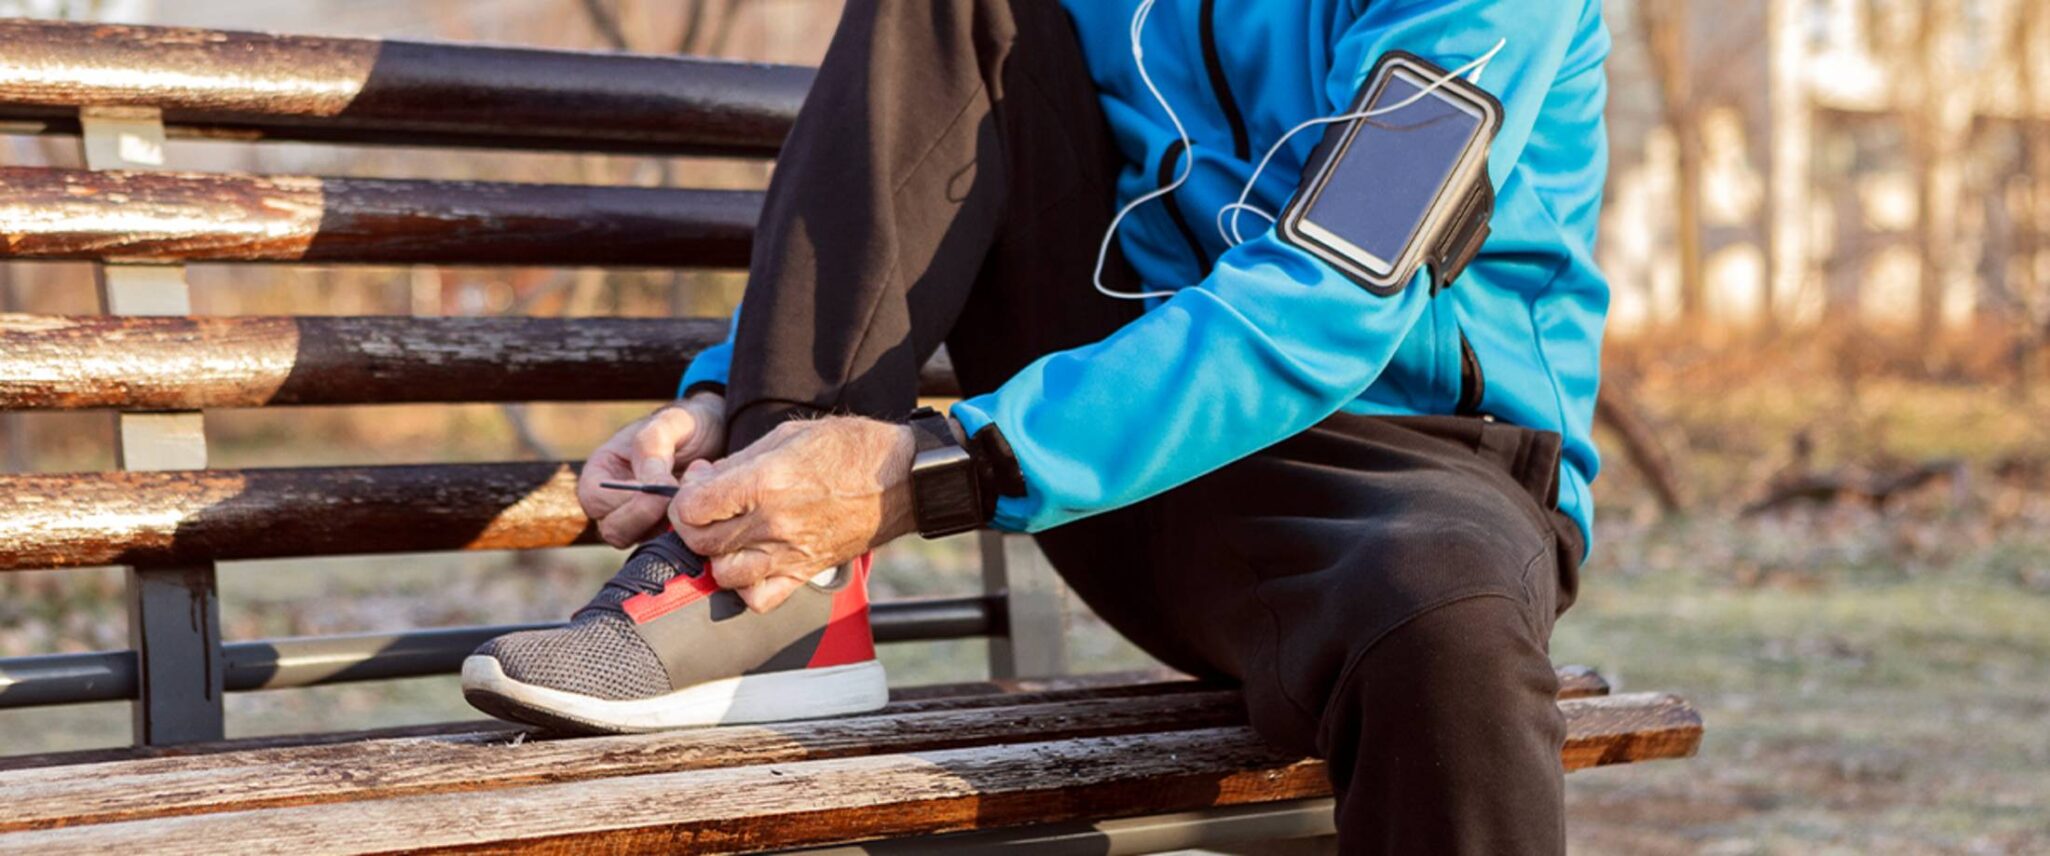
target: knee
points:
(1468, 664)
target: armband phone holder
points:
(1404, 189)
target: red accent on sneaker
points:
(682, 590)
(847, 638)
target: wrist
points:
(946, 478)
(900, 516)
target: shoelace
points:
(667, 549)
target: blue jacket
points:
(1261, 340)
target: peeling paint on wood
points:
(251, 86)
(199, 217)
(158, 518)
(75, 362)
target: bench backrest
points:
(122, 91)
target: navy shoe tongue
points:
(651, 566)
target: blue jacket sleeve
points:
(712, 365)
(1273, 340)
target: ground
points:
(1874, 680)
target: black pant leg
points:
(1384, 590)
(945, 181)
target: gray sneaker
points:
(662, 646)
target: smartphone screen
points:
(1377, 195)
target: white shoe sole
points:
(767, 697)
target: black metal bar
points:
(67, 678)
(318, 660)
(252, 86)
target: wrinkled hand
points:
(649, 450)
(811, 495)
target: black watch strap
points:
(946, 482)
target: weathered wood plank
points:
(1575, 682)
(1622, 729)
(156, 363)
(147, 518)
(1604, 731)
(811, 802)
(754, 807)
(919, 699)
(1581, 682)
(197, 217)
(256, 86)
(52, 797)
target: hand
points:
(811, 495)
(649, 450)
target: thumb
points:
(769, 593)
(654, 470)
(655, 445)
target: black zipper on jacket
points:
(1169, 161)
(1240, 144)
(1472, 384)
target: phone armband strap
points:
(1464, 234)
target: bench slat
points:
(146, 518)
(58, 796)
(196, 217)
(1574, 682)
(776, 803)
(254, 86)
(918, 699)
(53, 362)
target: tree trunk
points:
(1665, 38)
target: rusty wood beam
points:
(157, 518)
(801, 797)
(254, 86)
(193, 217)
(92, 361)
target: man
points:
(1367, 509)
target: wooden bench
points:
(1120, 764)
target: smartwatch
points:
(946, 486)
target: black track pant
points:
(1383, 588)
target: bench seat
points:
(966, 757)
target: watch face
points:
(945, 494)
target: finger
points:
(656, 444)
(740, 569)
(726, 492)
(597, 501)
(634, 522)
(706, 436)
(769, 593)
(725, 536)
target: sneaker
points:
(662, 646)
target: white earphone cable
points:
(1181, 176)
(1232, 236)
